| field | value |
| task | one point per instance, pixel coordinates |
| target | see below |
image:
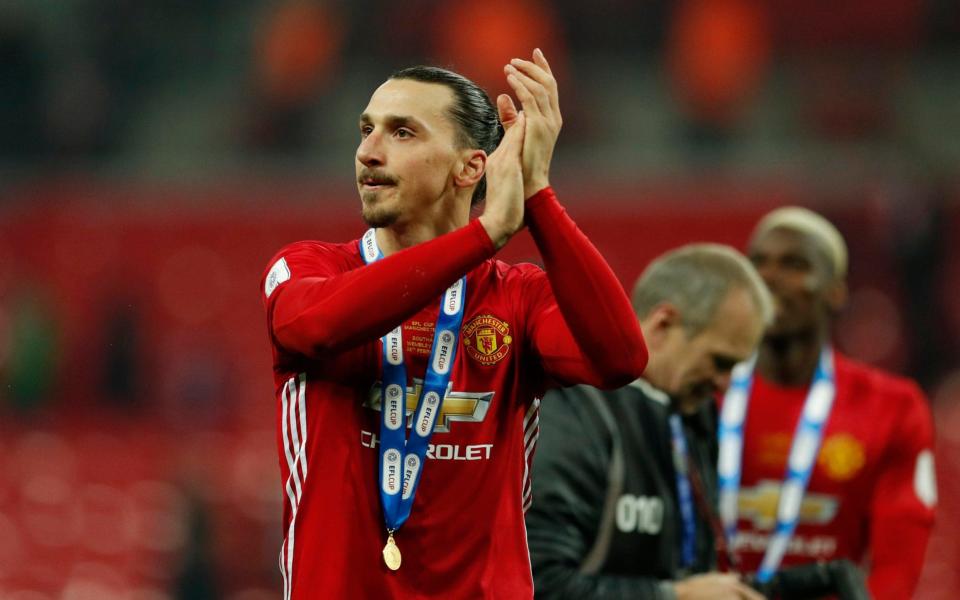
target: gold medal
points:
(391, 554)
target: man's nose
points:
(771, 274)
(369, 152)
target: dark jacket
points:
(604, 523)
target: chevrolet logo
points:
(466, 407)
(759, 504)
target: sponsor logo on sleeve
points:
(487, 339)
(925, 479)
(278, 273)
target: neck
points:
(654, 375)
(656, 372)
(406, 233)
(791, 360)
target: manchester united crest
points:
(487, 339)
(842, 456)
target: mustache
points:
(377, 176)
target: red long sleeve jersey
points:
(465, 537)
(872, 491)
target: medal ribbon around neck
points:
(684, 492)
(802, 457)
(401, 460)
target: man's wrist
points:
(544, 200)
(498, 232)
(535, 187)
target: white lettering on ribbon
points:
(451, 304)
(441, 359)
(370, 250)
(394, 410)
(428, 413)
(410, 471)
(395, 347)
(391, 471)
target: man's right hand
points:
(714, 586)
(503, 215)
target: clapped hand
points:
(535, 87)
(503, 213)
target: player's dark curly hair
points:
(473, 112)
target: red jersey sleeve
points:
(318, 304)
(580, 320)
(902, 506)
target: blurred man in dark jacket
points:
(625, 481)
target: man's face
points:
(701, 364)
(407, 151)
(798, 276)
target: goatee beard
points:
(375, 217)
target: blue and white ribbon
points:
(688, 538)
(401, 460)
(800, 463)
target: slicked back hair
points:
(476, 118)
(696, 279)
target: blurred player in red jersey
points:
(409, 364)
(862, 438)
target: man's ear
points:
(471, 169)
(657, 323)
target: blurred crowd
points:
(133, 369)
(144, 86)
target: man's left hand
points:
(536, 88)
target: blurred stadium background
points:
(155, 153)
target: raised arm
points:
(595, 316)
(583, 327)
(314, 309)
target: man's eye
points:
(365, 131)
(724, 363)
(796, 263)
(403, 133)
